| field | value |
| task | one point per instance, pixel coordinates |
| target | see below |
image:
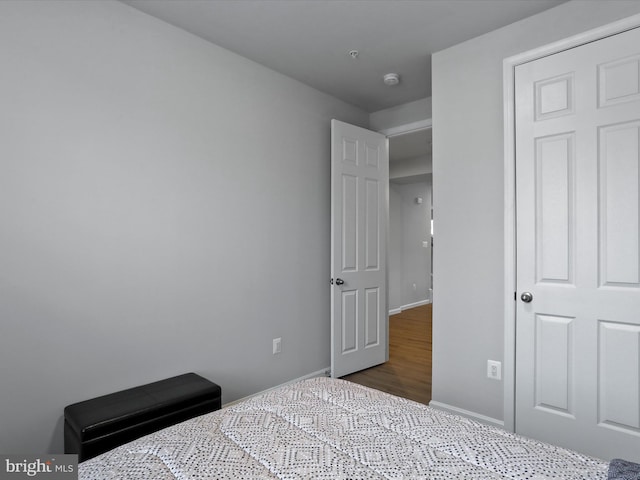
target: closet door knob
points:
(526, 297)
(339, 281)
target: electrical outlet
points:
(494, 370)
(277, 345)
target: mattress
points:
(326, 428)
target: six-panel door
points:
(360, 177)
(578, 247)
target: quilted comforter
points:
(332, 429)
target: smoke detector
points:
(391, 79)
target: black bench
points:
(94, 426)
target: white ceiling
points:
(310, 40)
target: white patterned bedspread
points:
(333, 429)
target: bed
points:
(325, 428)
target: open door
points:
(359, 213)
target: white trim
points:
(416, 304)
(325, 372)
(494, 422)
(509, 65)
(395, 311)
(407, 128)
(509, 355)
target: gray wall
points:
(409, 262)
(164, 208)
(406, 113)
(413, 167)
(468, 191)
(395, 249)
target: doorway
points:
(410, 249)
(409, 264)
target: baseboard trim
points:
(325, 372)
(395, 311)
(494, 422)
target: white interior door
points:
(578, 247)
(359, 211)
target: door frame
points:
(508, 85)
(407, 128)
(398, 130)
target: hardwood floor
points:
(408, 371)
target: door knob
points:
(339, 281)
(526, 297)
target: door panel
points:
(372, 227)
(619, 81)
(618, 166)
(578, 247)
(554, 363)
(349, 321)
(349, 237)
(373, 317)
(360, 177)
(554, 208)
(618, 367)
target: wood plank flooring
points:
(408, 371)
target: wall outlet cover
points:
(494, 370)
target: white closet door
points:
(578, 247)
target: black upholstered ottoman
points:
(100, 424)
